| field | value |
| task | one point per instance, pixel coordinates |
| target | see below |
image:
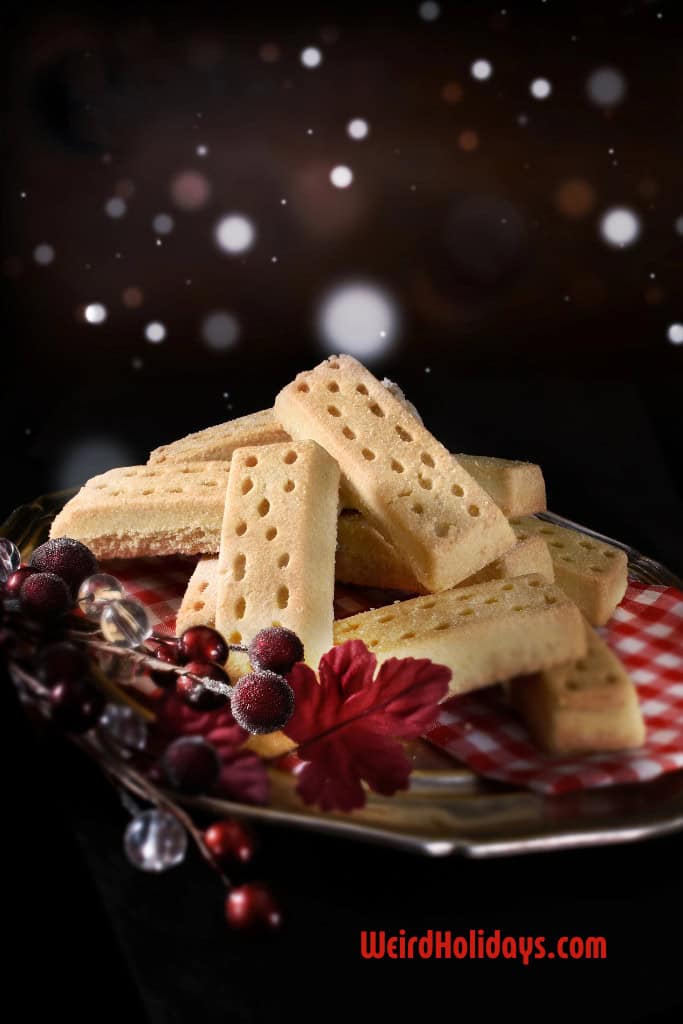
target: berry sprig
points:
(56, 658)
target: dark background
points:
(475, 209)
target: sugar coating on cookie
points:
(408, 485)
(137, 511)
(279, 534)
(594, 574)
(484, 633)
(220, 441)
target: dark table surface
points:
(91, 937)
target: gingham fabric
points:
(478, 729)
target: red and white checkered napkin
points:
(479, 729)
(646, 632)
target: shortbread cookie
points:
(148, 510)
(592, 573)
(411, 489)
(366, 559)
(585, 706)
(485, 633)
(198, 607)
(221, 441)
(276, 561)
(518, 488)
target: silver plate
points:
(448, 809)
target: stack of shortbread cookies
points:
(341, 480)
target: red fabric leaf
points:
(243, 777)
(347, 724)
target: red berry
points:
(276, 650)
(14, 583)
(76, 706)
(67, 558)
(252, 907)
(170, 655)
(44, 596)
(198, 695)
(230, 842)
(61, 662)
(190, 764)
(200, 643)
(262, 702)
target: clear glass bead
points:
(123, 727)
(10, 558)
(96, 592)
(125, 623)
(155, 841)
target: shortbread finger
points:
(518, 488)
(137, 511)
(221, 441)
(276, 561)
(366, 559)
(585, 706)
(412, 490)
(485, 633)
(592, 573)
(198, 606)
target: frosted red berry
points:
(44, 596)
(201, 643)
(276, 649)
(262, 702)
(230, 842)
(190, 764)
(76, 706)
(67, 558)
(252, 907)
(198, 695)
(61, 662)
(14, 583)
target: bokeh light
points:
(155, 332)
(43, 254)
(620, 227)
(95, 313)
(675, 334)
(234, 233)
(358, 318)
(468, 140)
(269, 53)
(606, 87)
(311, 57)
(481, 70)
(575, 197)
(452, 92)
(678, 225)
(115, 207)
(220, 330)
(190, 190)
(163, 224)
(84, 459)
(341, 176)
(540, 88)
(132, 297)
(357, 128)
(429, 10)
